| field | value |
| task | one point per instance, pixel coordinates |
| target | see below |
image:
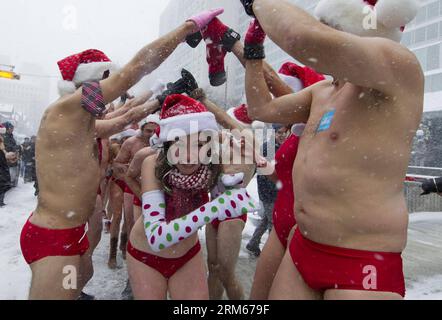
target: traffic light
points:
(9, 74)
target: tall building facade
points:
(423, 36)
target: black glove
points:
(248, 6)
(187, 84)
(229, 39)
(194, 39)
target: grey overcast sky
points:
(44, 31)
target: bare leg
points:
(216, 288)
(55, 278)
(146, 283)
(128, 222)
(360, 295)
(267, 267)
(128, 212)
(116, 204)
(228, 247)
(289, 284)
(190, 283)
(137, 213)
(95, 228)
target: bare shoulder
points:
(395, 58)
(150, 162)
(148, 167)
(144, 153)
(128, 143)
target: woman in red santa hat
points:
(164, 253)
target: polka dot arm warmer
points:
(161, 234)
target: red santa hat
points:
(2, 129)
(297, 77)
(181, 116)
(81, 67)
(349, 15)
(239, 113)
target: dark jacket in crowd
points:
(27, 153)
(11, 145)
(267, 190)
(5, 178)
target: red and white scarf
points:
(196, 181)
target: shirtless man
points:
(54, 238)
(353, 156)
(120, 164)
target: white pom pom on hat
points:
(396, 13)
(349, 15)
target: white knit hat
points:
(349, 16)
(152, 118)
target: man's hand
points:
(11, 157)
(202, 19)
(119, 170)
(157, 88)
(198, 94)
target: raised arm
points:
(107, 128)
(276, 86)
(221, 116)
(148, 58)
(288, 109)
(375, 63)
(133, 174)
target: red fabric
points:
(100, 150)
(181, 202)
(325, 267)
(198, 180)
(240, 114)
(68, 66)
(167, 267)
(178, 104)
(38, 243)
(127, 189)
(215, 223)
(137, 201)
(307, 75)
(120, 183)
(283, 210)
(255, 34)
(213, 35)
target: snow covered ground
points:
(423, 281)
